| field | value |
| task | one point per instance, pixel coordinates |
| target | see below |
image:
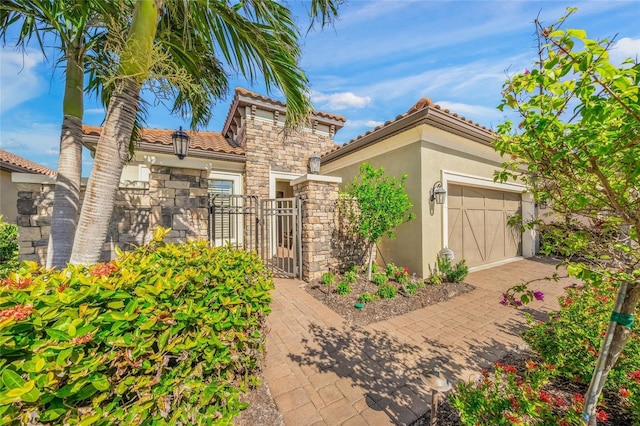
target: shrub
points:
(351, 276)
(445, 271)
(8, 247)
(328, 278)
(167, 334)
(509, 398)
(410, 289)
(367, 297)
(343, 288)
(391, 270)
(574, 335)
(387, 291)
(380, 279)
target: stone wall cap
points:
(316, 178)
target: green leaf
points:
(12, 380)
(52, 414)
(57, 334)
(32, 396)
(101, 383)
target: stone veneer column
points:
(35, 205)
(318, 195)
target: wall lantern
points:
(180, 140)
(437, 193)
(314, 164)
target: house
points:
(10, 164)
(439, 149)
(250, 182)
(251, 157)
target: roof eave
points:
(90, 142)
(429, 116)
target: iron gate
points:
(270, 227)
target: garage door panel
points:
(478, 228)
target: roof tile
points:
(22, 163)
(206, 141)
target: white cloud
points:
(339, 101)
(95, 111)
(363, 123)
(36, 141)
(19, 79)
(625, 48)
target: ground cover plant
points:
(392, 291)
(166, 334)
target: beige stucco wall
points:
(428, 154)
(8, 197)
(406, 249)
(456, 160)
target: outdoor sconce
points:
(437, 193)
(180, 140)
(314, 164)
(437, 383)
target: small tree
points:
(578, 139)
(381, 205)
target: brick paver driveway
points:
(323, 372)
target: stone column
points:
(35, 205)
(318, 195)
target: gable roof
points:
(244, 97)
(423, 112)
(15, 163)
(201, 144)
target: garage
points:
(477, 222)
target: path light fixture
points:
(314, 164)
(180, 140)
(437, 193)
(437, 383)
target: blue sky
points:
(377, 61)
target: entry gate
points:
(270, 227)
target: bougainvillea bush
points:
(167, 334)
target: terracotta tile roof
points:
(243, 91)
(20, 164)
(422, 104)
(206, 141)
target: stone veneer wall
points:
(268, 150)
(318, 200)
(176, 198)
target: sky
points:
(373, 64)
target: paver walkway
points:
(322, 371)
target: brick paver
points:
(322, 371)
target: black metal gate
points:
(270, 227)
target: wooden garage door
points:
(478, 230)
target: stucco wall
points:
(8, 193)
(453, 159)
(406, 249)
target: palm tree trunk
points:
(111, 154)
(113, 145)
(66, 200)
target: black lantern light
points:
(314, 164)
(180, 140)
(437, 193)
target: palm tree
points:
(253, 37)
(73, 23)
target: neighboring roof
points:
(246, 97)
(423, 112)
(15, 163)
(200, 144)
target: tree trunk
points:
(111, 154)
(369, 274)
(66, 199)
(113, 145)
(610, 353)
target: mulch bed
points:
(382, 309)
